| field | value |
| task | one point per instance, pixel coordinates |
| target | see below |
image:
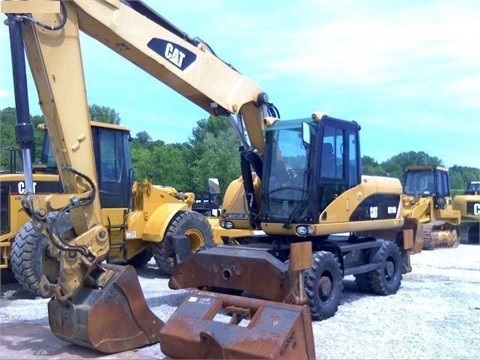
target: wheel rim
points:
(389, 269)
(325, 286)
(196, 238)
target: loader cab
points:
(428, 181)
(308, 163)
(114, 165)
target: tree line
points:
(210, 152)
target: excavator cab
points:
(308, 164)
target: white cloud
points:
(371, 48)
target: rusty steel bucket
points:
(109, 319)
(213, 325)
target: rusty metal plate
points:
(234, 267)
(212, 325)
(112, 319)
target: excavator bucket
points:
(110, 319)
(219, 326)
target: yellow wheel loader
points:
(469, 206)
(13, 218)
(20, 240)
(427, 203)
(137, 215)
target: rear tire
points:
(323, 285)
(386, 280)
(190, 223)
(29, 260)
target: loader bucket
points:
(109, 319)
(213, 325)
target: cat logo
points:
(178, 55)
(476, 209)
(174, 55)
(21, 188)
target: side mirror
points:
(213, 186)
(306, 133)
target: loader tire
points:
(141, 259)
(29, 259)
(190, 223)
(323, 285)
(386, 280)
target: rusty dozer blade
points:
(109, 319)
(212, 325)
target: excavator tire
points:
(190, 223)
(29, 259)
(387, 278)
(141, 259)
(323, 285)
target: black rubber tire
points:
(190, 223)
(141, 259)
(28, 258)
(323, 285)
(386, 280)
(474, 234)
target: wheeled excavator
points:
(427, 201)
(312, 216)
(101, 305)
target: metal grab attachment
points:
(111, 317)
(212, 325)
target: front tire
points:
(323, 285)
(190, 223)
(29, 259)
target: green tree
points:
(219, 160)
(104, 114)
(214, 153)
(143, 137)
(395, 166)
(460, 176)
(213, 125)
(8, 141)
(371, 167)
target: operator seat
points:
(328, 161)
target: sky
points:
(407, 71)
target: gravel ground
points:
(435, 314)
